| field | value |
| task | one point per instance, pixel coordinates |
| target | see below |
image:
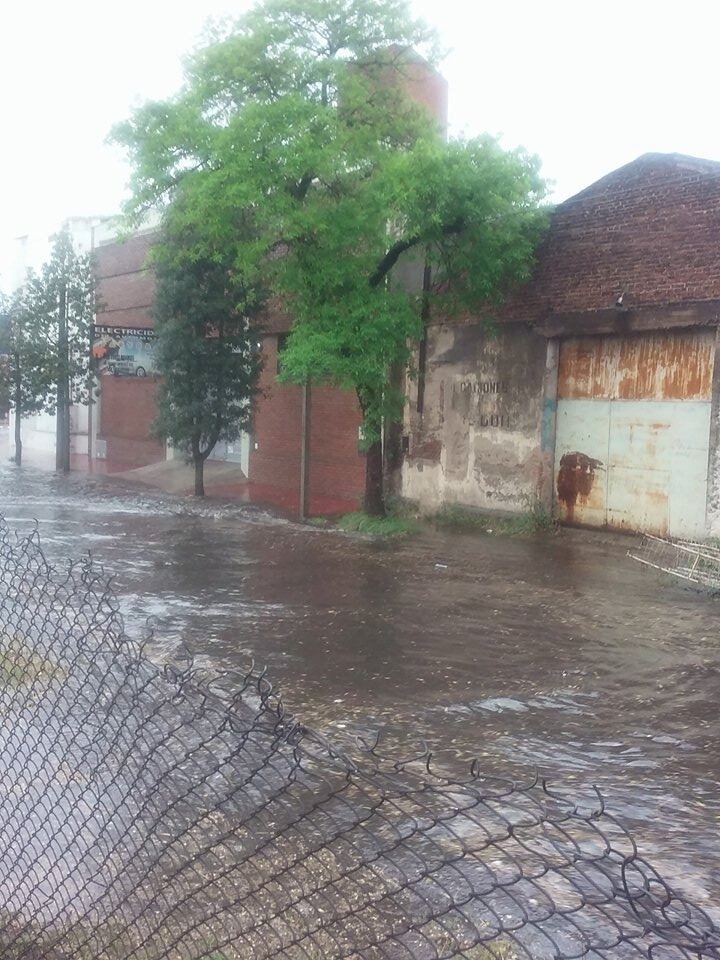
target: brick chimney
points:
(423, 84)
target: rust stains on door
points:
(575, 480)
(632, 437)
(649, 366)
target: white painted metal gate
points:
(633, 427)
(236, 452)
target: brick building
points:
(121, 417)
(125, 406)
(599, 391)
(304, 443)
(273, 458)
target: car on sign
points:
(126, 368)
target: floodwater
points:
(557, 653)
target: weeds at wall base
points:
(403, 519)
(536, 519)
(389, 526)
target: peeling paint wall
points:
(633, 431)
(712, 517)
(651, 366)
(489, 401)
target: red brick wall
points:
(113, 259)
(426, 86)
(337, 468)
(128, 293)
(274, 469)
(649, 229)
(127, 409)
(336, 472)
(125, 286)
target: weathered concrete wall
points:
(712, 516)
(486, 434)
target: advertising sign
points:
(124, 351)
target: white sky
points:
(586, 85)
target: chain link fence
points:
(152, 812)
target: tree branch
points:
(299, 190)
(391, 258)
(402, 246)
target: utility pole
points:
(62, 416)
(304, 451)
(91, 376)
(18, 410)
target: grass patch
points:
(377, 526)
(18, 941)
(445, 944)
(536, 519)
(318, 522)
(21, 666)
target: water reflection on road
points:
(552, 653)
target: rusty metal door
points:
(633, 429)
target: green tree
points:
(58, 306)
(25, 370)
(298, 116)
(68, 293)
(206, 351)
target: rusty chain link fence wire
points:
(147, 813)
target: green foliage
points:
(59, 304)
(25, 373)
(296, 122)
(206, 348)
(46, 341)
(21, 666)
(322, 522)
(536, 519)
(377, 526)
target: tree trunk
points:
(18, 438)
(66, 435)
(199, 462)
(374, 504)
(18, 442)
(304, 451)
(393, 446)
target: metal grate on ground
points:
(152, 812)
(689, 560)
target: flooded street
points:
(556, 653)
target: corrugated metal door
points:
(633, 429)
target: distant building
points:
(123, 351)
(599, 391)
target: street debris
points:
(687, 559)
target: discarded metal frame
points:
(689, 560)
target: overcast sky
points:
(586, 85)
